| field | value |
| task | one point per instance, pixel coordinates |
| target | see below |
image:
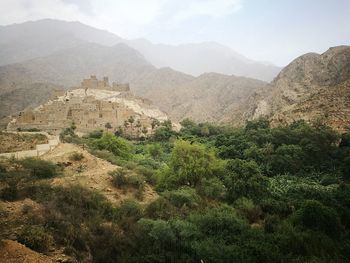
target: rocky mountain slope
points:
(30, 83)
(210, 96)
(20, 42)
(311, 87)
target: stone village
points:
(95, 104)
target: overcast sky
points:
(266, 30)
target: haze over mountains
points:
(29, 40)
(31, 55)
(186, 81)
(199, 58)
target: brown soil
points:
(15, 215)
(12, 142)
(14, 252)
(91, 172)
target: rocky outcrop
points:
(311, 87)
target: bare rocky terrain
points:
(312, 87)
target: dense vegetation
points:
(254, 194)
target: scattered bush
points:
(119, 177)
(136, 181)
(122, 178)
(36, 238)
(40, 168)
(148, 173)
(76, 156)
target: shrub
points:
(136, 180)
(81, 204)
(184, 196)
(68, 135)
(248, 209)
(155, 150)
(129, 210)
(149, 163)
(222, 222)
(36, 238)
(212, 188)
(160, 208)
(119, 177)
(271, 223)
(314, 215)
(9, 193)
(158, 230)
(139, 194)
(95, 134)
(163, 134)
(118, 146)
(40, 168)
(148, 173)
(76, 156)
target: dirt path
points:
(91, 172)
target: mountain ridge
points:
(299, 84)
(39, 38)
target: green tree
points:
(190, 162)
(287, 159)
(316, 216)
(116, 145)
(244, 179)
(155, 150)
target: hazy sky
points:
(267, 30)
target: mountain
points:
(196, 59)
(29, 40)
(20, 82)
(312, 87)
(210, 96)
(180, 95)
(20, 42)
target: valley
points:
(123, 149)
